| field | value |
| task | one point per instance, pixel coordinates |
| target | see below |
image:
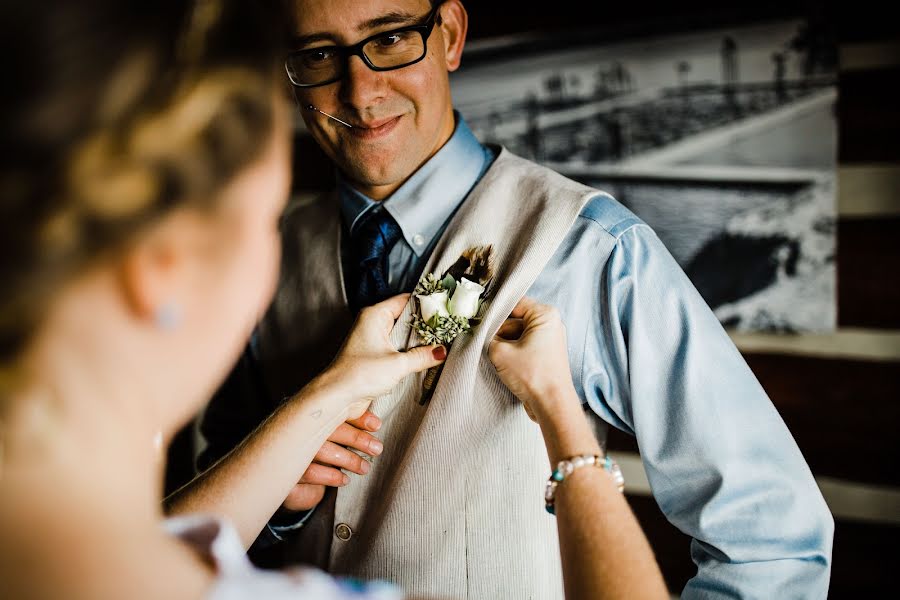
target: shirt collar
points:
(429, 197)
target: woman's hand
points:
(368, 366)
(530, 354)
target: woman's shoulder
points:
(216, 541)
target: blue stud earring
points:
(168, 317)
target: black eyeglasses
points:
(383, 51)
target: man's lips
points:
(373, 130)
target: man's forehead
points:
(341, 18)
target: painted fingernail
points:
(439, 353)
(376, 447)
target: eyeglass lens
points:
(392, 50)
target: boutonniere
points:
(451, 304)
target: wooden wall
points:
(840, 393)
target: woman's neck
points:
(70, 541)
(86, 403)
(81, 502)
(81, 489)
(103, 460)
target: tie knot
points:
(371, 243)
(375, 236)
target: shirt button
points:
(418, 240)
(343, 531)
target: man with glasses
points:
(452, 507)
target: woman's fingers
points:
(424, 357)
(393, 306)
(371, 363)
(523, 307)
(529, 353)
(511, 329)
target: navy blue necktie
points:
(370, 245)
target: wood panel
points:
(842, 413)
(868, 267)
(868, 118)
(671, 547)
(847, 343)
(863, 20)
(868, 191)
(869, 55)
(864, 560)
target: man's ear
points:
(454, 24)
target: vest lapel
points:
(309, 318)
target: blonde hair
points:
(172, 102)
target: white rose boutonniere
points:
(451, 304)
(466, 299)
(434, 304)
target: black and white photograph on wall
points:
(724, 141)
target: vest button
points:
(343, 532)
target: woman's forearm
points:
(249, 483)
(604, 551)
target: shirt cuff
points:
(280, 525)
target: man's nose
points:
(361, 87)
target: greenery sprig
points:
(440, 329)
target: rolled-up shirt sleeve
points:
(722, 465)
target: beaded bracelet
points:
(564, 468)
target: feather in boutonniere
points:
(451, 304)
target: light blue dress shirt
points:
(448, 178)
(650, 358)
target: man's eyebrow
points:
(392, 18)
(300, 41)
(399, 18)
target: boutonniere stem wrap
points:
(451, 304)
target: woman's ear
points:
(153, 270)
(454, 24)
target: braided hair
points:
(114, 113)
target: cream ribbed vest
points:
(453, 507)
